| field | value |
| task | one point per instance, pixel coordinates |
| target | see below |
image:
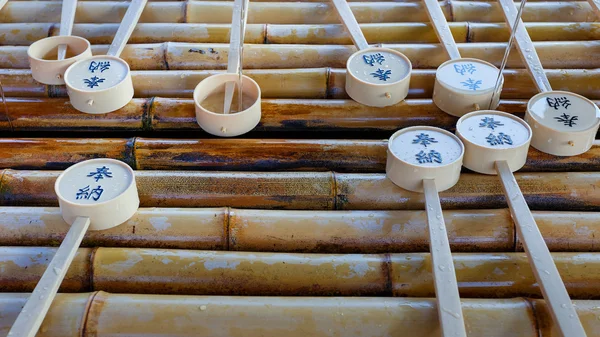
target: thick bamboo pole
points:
(317, 190)
(235, 155)
(288, 115)
(182, 228)
(23, 34)
(213, 56)
(66, 317)
(194, 272)
(22, 268)
(300, 83)
(291, 13)
(104, 314)
(302, 231)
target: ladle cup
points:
(228, 124)
(563, 123)
(102, 83)
(52, 71)
(497, 143)
(461, 84)
(428, 160)
(97, 194)
(376, 77)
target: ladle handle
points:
(442, 30)
(345, 14)
(594, 3)
(67, 17)
(541, 261)
(444, 276)
(126, 27)
(32, 315)
(525, 47)
(238, 23)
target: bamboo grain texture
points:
(574, 191)
(103, 314)
(158, 114)
(301, 231)
(194, 272)
(292, 12)
(263, 155)
(23, 34)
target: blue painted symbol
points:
(424, 139)
(100, 173)
(567, 120)
(500, 139)
(85, 193)
(471, 84)
(382, 75)
(555, 102)
(93, 82)
(372, 58)
(489, 122)
(102, 66)
(432, 156)
(465, 68)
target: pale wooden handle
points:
(2, 3)
(444, 276)
(345, 14)
(238, 28)
(541, 261)
(525, 47)
(67, 17)
(32, 315)
(595, 6)
(442, 30)
(126, 27)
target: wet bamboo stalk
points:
(104, 314)
(570, 191)
(23, 34)
(213, 56)
(302, 231)
(195, 272)
(289, 115)
(235, 155)
(291, 13)
(301, 83)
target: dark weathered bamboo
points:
(193, 56)
(302, 231)
(182, 228)
(23, 34)
(291, 13)
(566, 191)
(160, 271)
(172, 114)
(543, 191)
(237, 154)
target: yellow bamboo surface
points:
(310, 83)
(573, 191)
(162, 271)
(303, 231)
(292, 12)
(23, 34)
(193, 56)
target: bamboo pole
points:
(22, 268)
(193, 56)
(292, 12)
(108, 314)
(194, 272)
(309, 83)
(317, 190)
(23, 34)
(232, 155)
(303, 231)
(289, 115)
